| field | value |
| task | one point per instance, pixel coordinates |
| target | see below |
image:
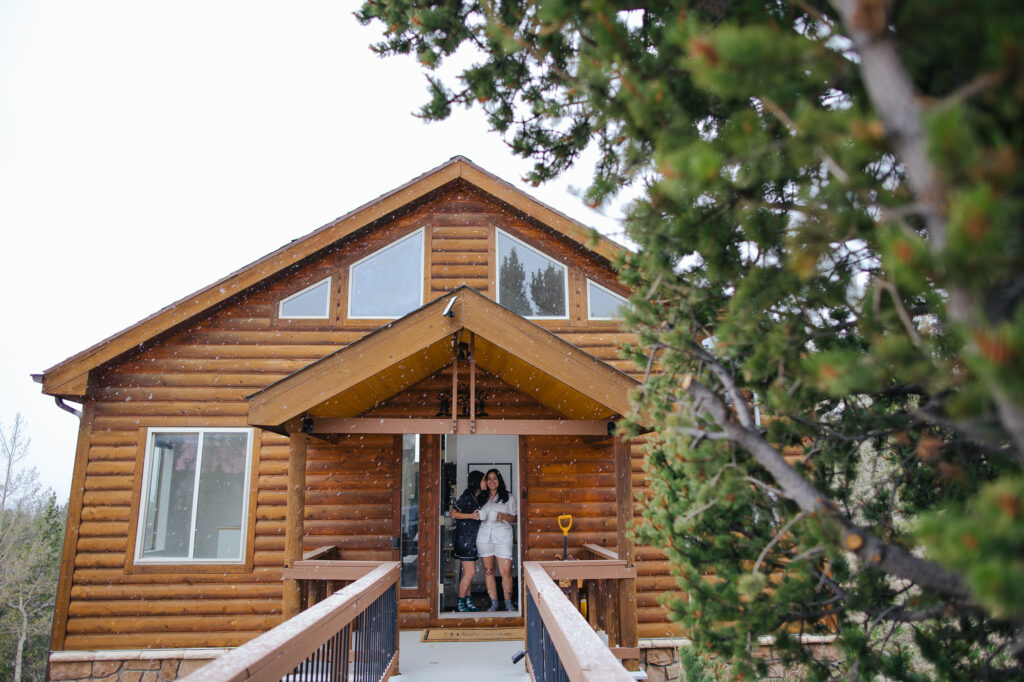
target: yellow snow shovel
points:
(565, 523)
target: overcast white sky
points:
(147, 150)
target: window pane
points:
(313, 302)
(604, 303)
(390, 282)
(529, 283)
(221, 499)
(409, 541)
(168, 511)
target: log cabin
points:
(336, 394)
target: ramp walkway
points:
(454, 661)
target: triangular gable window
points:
(604, 304)
(312, 303)
(389, 282)
(530, 283)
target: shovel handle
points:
(565, 523)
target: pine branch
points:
(873, 551)
(895, 98)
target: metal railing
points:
(352, 635)
(560, 644)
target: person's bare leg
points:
(505, 566)
(492, 584)
(468, 571)
(465, 585)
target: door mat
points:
(471, 634)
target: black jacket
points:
(466, 529)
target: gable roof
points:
(397, 356)
(69, 378)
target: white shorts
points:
(502, 550)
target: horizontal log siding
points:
(568, 476)
(199, 376)
(577, 476)
(461, 240)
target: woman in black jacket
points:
(466, 512)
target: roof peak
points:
(69, 378)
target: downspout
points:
(67, 408)
(38, 378)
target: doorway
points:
(461, 455)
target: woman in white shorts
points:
(494, 540)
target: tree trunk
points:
(22, 635)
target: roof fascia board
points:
(542, 212)
(64, 373)
(549, 353)
(375, 352)
(69, 377)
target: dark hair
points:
(473, 487)
(502, 490)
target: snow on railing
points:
(350, 635)
(560, 644)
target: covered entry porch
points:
(372, 429)
(371, 473)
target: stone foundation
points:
(144, 665)
(659, 658)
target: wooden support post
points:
(613, 619)
(593, 603)
(293, 530)
(627, 587)
(472, 382)
(455, 382)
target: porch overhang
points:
(329, 394)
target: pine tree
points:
(513, 285)
(547, 289)
(830, 276)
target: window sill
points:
(170, 568)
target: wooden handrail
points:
(276, 652)
(603, 552)
(588, 569)
(329, 570)
(581, 652)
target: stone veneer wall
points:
(659, 658)
(146, 665)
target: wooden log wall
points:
(199, 376)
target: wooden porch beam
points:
(294, 527)
(522, 427)
(627, 588)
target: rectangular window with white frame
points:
(195, 496)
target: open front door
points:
(459, 456)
